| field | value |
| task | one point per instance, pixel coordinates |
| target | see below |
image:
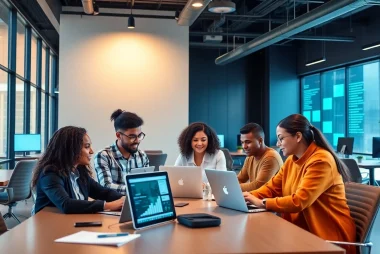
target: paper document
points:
(87, 237)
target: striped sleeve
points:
(103, 167)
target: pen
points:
(112, 235)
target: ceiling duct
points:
(88, 6)
(189, 13)
(317, 16)
(261, 10)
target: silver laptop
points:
(227, 191)
(185, 182)
(125, 214)
(142, 170)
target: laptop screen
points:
(150, 199)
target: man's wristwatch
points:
(264, 202)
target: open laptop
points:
(150, 199)
(142, 170)
(186, 182)
(227, 191)
(125, 214)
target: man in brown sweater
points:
(262, 162)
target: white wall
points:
(105, 66)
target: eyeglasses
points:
(133, 138)
(279, 140)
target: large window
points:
(333, 105)
(19, 106)
(28, 113)
(3, 113)
(350, 103)
(364, 108)
(33, 60)
(4, 16)
(20, 50)
(312, 99)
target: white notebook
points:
(87, 237)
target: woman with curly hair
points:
(62, 177)
(199, 146)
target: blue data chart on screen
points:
(151, 198)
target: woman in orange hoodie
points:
(309, 188)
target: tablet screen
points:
(150, 199)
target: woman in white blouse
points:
(199, 146)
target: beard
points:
(129, 148)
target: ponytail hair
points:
(123, 120)
(298, 123)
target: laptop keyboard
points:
(255, 209)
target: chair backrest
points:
(354, 170)
(157, 160)
(153, 151)
(364, 202)
(21, 179)
(229, 160)
(3, 227)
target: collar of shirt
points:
(74, 174)
(206, 158)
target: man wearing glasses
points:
(116, 161)
(262, 162)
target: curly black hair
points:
(61, 154)
(186, 136)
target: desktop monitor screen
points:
(27, 142)
(376, 147)
(221, 140)
(345, 145)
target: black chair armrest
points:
(9, 192)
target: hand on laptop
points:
(114, 205)
(253, 200)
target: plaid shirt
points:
(111, 167)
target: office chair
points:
(157, 160)
(364, 201)
(18, 187)
(153, 151)
(356, 175)
(229, 160)
(3, 227)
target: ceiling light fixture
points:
(319, 60)
(222, 6)
(316, 61)
(131, 21)
(371, 46)
(197, 3)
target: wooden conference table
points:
(5, 175)
(238, 233)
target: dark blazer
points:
(57, 191)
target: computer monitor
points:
(345, 145)
(221, 140)
(376, 147)
(27, 143)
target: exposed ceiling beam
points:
(320, 15)
(295, 37)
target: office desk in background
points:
(238, 233)
(370, 165)
(5, 175)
